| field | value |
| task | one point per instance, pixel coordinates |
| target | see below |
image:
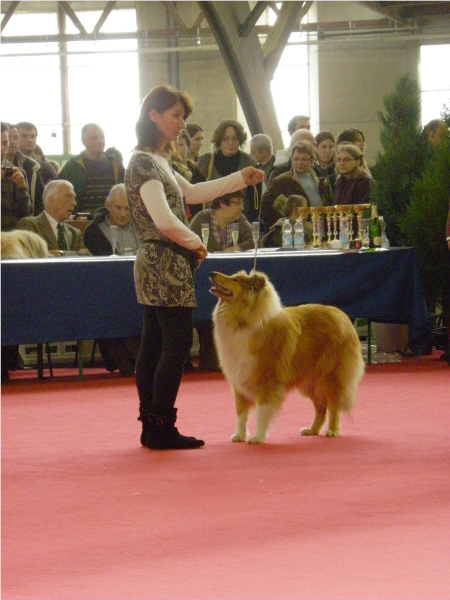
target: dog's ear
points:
(258, 281)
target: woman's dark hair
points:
(324, 135)
(161, 98)
(350, 135)
(292, 202)
(221, 128)
(227, 198)
(193, 128)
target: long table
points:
(76, 298)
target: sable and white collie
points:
(266, 349)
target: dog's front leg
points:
(265, 413)
(242, 409)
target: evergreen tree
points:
(424, 223)
(401, 161)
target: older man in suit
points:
(59, 202)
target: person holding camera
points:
(15, 197)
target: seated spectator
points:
(273, 238)
(116, 212)
(224, 211)
(262, 149)
(353, 183)
(228, 138)
(21, 244)
(301, 180)
(18, 245)
(15, 197)
(28, 144)
(31, 167)
(197, 136)
(283, 158)
(59, 202)
(436, 131)
(93, 172)
(355, 137)
(117, 353)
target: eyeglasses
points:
(237, 202)
(345, 160)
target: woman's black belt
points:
(189, 255)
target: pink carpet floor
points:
(88, 514)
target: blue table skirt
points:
(87, 298)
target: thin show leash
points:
(258, 205)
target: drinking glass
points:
(205, 233)
(365, 233)
(255, 229)
(113, 229)
(235, 235)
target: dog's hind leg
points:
(243, 406)
(319, 418)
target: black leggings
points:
(165, 345)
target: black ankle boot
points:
(143, 417)
(160, 433)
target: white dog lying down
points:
(265, 350)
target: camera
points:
(8, 171)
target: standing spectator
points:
(355, 137)
(325, 151)
(181, 162)
(165, 263)
(228, 157)
(28, 145)
(31, 167)
(93, 172)
(298, 122)
(300, 180)
(283, 159)
(197, 136)
(59, 202)
(261, 147)
(15, 197)
(353, 183)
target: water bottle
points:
(384, 239)
(299, 234)
(344, 235)
(287, 234)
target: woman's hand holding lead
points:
(252, 176)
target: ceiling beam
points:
(244, 60)
(291, 14)
(391, 12)
(73, 17)
(9, 13)
(176, 17)
(245, 28)
(105, 14)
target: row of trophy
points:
(341, 214)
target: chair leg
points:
(40, 362)
(49, 358)
(91, 364)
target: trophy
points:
(359, 210)
(329, 212)
(316, 212)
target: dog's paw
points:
(308, 431)
(256, 439)
(332, 433)
(237, 438)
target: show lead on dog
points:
(166, 261)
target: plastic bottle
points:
(375, 228)
(299, 234)
(344, 235)
(384, 239)
(287, 240)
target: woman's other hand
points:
(252, 176)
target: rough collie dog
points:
(266, 349)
